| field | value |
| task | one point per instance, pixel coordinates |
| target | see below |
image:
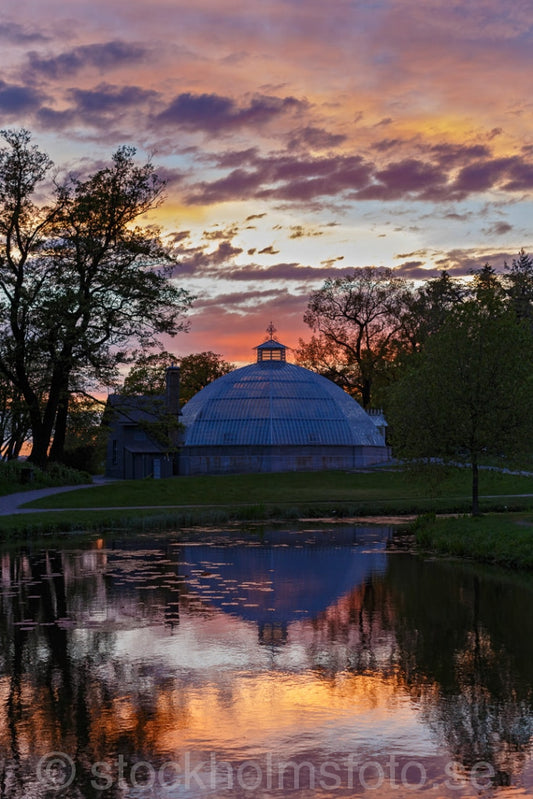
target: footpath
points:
(11, 503)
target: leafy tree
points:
(519, 285)
(487, 288)
(425, 309)
(147, 375)
(79, 280)
(358, 316)
(198, 370)
(467, 393)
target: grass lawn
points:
(505, 539)
(404, 489)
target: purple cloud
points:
(214, 113)
(102, 56)
(316, 138)
(18, 99)
(105, 98)
(19, 34)
(299, 178)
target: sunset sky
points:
(299, 138)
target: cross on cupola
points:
(271, 349)
(271, 330)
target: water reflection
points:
(227, 657)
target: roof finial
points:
(271, 330)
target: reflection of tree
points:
(354, 634)
(465, 649)
(451, 635)
(63, 690)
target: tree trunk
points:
(43, 423)
(475, 486)
(39, 449)
(57, 450)
(366, 392)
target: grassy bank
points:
(217, 499)
(503, 539)
(433, 486)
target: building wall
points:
(235, 460)
(132, 456)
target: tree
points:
(86, 436)
(425, 309)
(199, 369)
(147, 375)
(14, 422)
(79, 280)
(359, 316)
(519, 286)
(468, 392)
(487, 288)
(329, 360)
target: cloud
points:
(109, 99)
(330, 261)
(316, 138)
(102, 57)
(412, 270)
(498, 229)
(268, 250)
(462, 262)
(299, 232)
(199, 260)
(482, 175)
(214, 113)
(18, 99)
(453, 173)
(13, 33)
(410, 176)
(225, 233)
(281, 272)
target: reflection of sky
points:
(207, 685)
(244, 699)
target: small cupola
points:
(271, 349)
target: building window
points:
(114, 456)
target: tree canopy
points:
(467, 393)
(80, 280)
(147, 374)
(356, 322)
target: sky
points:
(299, 139)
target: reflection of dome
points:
(285, 579)
(275, 416)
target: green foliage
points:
(467, 393)
(147, 375)
(22, 475)
(519, 286)
(199, 369)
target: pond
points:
(267, 663)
